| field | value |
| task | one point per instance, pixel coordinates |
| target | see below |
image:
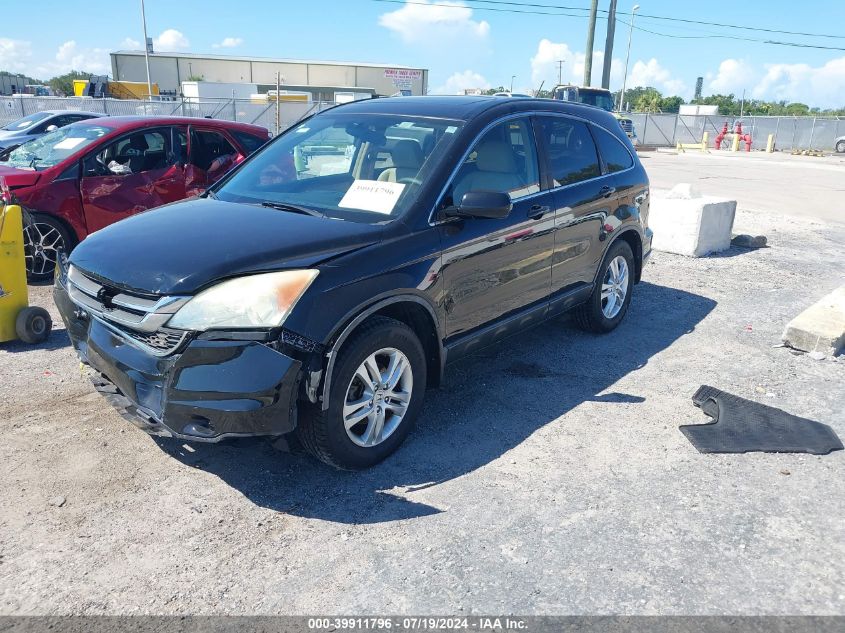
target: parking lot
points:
(548, 476)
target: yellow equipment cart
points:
(17, 319)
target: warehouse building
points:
(323, 79)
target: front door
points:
(583, 199)
(137, 172)
(494, 268)
(211, 156)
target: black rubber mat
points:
(743, 426)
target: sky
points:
(462, 44)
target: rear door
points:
(138, 171)
(211, 155)
(583, 197)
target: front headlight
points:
(256, 301)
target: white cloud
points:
(14, 54)
(70, 56)
(732, 77)
(544, 66)
(229, 42)
(458, 82)
(651, 73)
(130, 44)
(432, 23)
(822, 86)
(171, 40)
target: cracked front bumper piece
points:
(207, 391)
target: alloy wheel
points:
(615, 287)
(377, 397)
(42, 243)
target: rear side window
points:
(616, 155)
(571, 150)
(249, 142)
(208, 146)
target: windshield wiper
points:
(281, 206)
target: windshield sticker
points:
(451, 129)
(372, 195)
(69, 143)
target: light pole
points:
(146, 53)
(512, 78)
(627, 56)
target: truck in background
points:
(596, 97)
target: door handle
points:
(606, 192)
(538, 211)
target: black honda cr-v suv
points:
(323, 284)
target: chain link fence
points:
(662, 130)
(791, 133)
(241, 110)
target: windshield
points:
(360, 167)
(26, 122)
(53, 148)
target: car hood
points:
(12, 177)
(183, 247)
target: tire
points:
(324, 434)
(44, 236)
(33, 325)
(596, 315)
(840, 147)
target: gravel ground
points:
(547, 477)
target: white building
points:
(321, 78)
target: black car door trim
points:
(508, 325)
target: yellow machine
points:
(17, 319)
(116, 89)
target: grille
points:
(135, 317)
(627, 125)
(163, 340)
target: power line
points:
(663, 17)
(669, 35)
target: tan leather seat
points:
(407, 159)
(496, 170)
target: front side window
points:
(55, 146)
(572, 152)
(139, 152)
(359, 167)
(503, 160)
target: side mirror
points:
(52, 128)
(493, 205)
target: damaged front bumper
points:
(208, 390)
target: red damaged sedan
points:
(83, 177)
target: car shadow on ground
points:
(57, 340)
(491, 402)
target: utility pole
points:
(512, 78)
(591, 33)
(608, 45)
(742, 104)
(560, 71)
(278, 113)
(627, 58)
(146, 53)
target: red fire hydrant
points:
(746, 138)
(717, 144)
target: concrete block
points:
(821, 327)
(687, 223)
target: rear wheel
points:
(840, 147)
(375, 396)
(606, 307)
(43, 238)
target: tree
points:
(648, 101)
(671, 104)
(63, 84)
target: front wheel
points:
(608, 303)
(43, 238)
(840, 147)
(375, 396)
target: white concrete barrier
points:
(687, 223)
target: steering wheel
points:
(409, 181)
